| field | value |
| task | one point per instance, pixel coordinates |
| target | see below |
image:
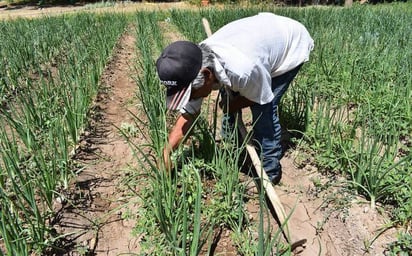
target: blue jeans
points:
(266, 129)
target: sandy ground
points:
(33, 11)
(97, 205)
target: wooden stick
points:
(270, 191)
(206, 26)
(267, 184)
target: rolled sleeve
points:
(193, 107)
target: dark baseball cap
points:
(177, 66)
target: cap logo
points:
(169, 83)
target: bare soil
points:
(12, 11)
(96, 211)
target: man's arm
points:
(178, 132)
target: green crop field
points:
(349, 110)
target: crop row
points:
(50, 74)
(349, 109)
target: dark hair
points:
(207, 61)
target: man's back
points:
(278, 43)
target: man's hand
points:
(166, 159)
(164, 162)
(179, 130)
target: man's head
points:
(180, 69)
(177, 66)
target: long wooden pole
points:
(267, 185)
(269, 189)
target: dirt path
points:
(99, 200)
(333, 221)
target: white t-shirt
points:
(251, 51)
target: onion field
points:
(349, 113)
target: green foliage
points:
(48, 88)
(172, 205)
(402, 247)
(42, 2)
(355, 107)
